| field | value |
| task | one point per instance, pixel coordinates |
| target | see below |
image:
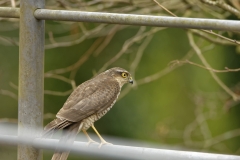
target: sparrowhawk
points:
(87, 103)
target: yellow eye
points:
(124, 75)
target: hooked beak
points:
(130, 80)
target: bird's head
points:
(121, 75)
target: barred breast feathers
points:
(88, 122)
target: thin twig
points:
(107, 40)
(128, 43)
(76, 41)
(205, 63)
(177, 62)
(81, 60)
(155, 76)
(222, 4)
(210, 32)
(223, 137)
(13, 3)
(9, 93)
(57, 93)
(139, 54)
(8, 120)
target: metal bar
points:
(114, 151)
(128, 19)
(9, 12)
(142, 20)
(31, 70)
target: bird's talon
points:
(104, 143)
(91, 141)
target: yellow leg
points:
(102, 140)
(88, 137)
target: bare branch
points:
(163, 72)
(14, 86)
(210, 32)
(82, 60)
(51, 37)
(8, 41)
(57, 93)
(49, 116)
(9, 93)
(126, 46)
(222, 4)
(177, 62)
(55, 76)
(199, 54)
(15, 120)
(164, 8)
(223, 137)
(139, 54)
(107, 40)
(13, 3)
(77, 41)
(155, 76)
(8, 120)
(128, 43)
(221, 41)
(223, 37)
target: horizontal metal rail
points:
(128, 19)
(114, 151)
(142, 20)
(8, 12)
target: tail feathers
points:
(55, 124)
(60, 156)
(67, 138)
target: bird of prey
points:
(87, 103)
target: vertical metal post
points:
(31, 74)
